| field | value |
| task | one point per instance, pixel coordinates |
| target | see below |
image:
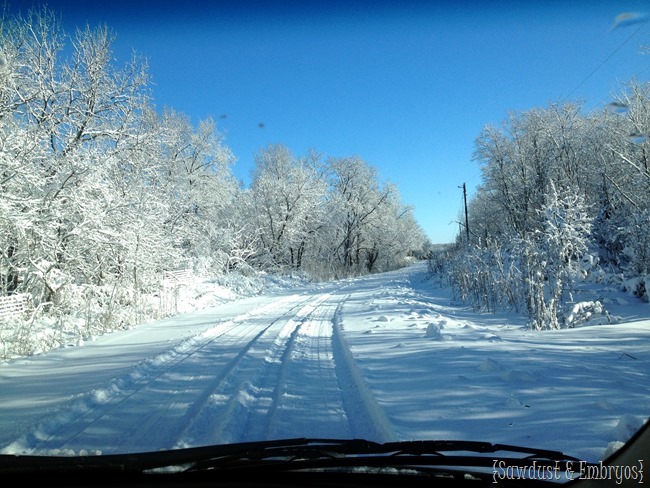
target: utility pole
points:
(466, 217)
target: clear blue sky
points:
(407, 86)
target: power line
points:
(620, 46)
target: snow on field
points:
(385, 357)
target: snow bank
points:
(97, 310)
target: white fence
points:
(179, 277)
(171, 284)
(14, 305)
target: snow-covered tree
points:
(287, 196)
(99, 191)
(356, 199)
(550, 256)
(557, 181)
(195, 178)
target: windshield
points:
(225, 222)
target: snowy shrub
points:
(551, 256)
(637, 287)
(637, 248)
(437, 260)
(588, 313)
(485, 277)
(532, 272)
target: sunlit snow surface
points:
(384, 357)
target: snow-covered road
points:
(275, 369)
(385, 357)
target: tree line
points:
(564, 193)
(101, 191)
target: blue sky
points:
(407, 86)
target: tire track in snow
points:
(78, 420)
(59, 432)
(366, 417)
(147, 431)
(240, 408)
(307, 399)
(308, 385)
(242, 360)
(193, 417)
